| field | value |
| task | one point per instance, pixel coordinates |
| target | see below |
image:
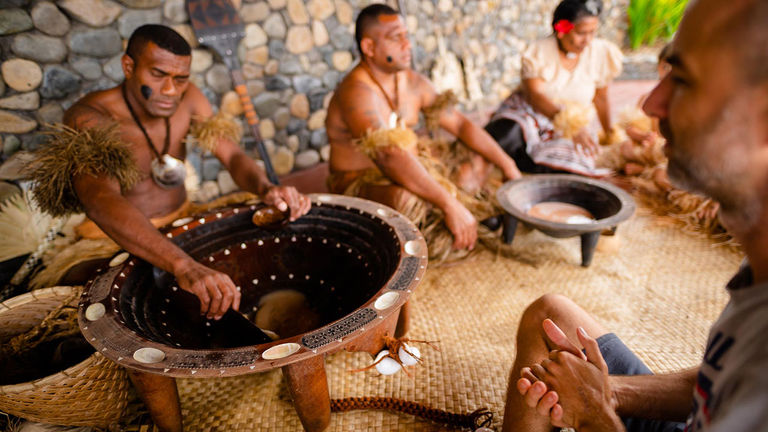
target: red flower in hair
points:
(563, 26)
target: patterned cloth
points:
(544, 144)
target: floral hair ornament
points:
(563, 26)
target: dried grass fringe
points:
(23, 226)
(221, 126)
(428, 219)
(72, 152)
(695, 213)
(444, 100)
(572, 118)
(375, 140)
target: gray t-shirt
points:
(731, 393)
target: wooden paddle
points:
(218, 26)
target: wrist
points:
(264, 187)
(181, 264)
(616, 394)
(605, 419)
(447, 203)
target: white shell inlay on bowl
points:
(382, 212)
(119, 259)
(280, 351)
(324, 198)
(148, 355)
(179, 222)
(413, 247)
(95, 311)
(386, 300)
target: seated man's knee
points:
(552, 306)
(393, 196)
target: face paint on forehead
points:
(385, 19)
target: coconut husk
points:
(74, 152)
(572, 118)
(207, 133)
(444, 101)
(375, 140)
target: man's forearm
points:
(248, 175)
(130, 229)
(405, 170)
(481, 142)
(664, 397)
(541, 103)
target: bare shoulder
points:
(196, 102)
(417, 79)
(93, 109)
(422, 86)
(355, 87)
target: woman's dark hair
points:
(574, 10)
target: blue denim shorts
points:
(622, 361)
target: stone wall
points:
(293, 55)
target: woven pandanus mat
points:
(660, 292)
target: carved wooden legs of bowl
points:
(308, 383)
(588, 239)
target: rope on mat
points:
(60, 322)
(478, 418)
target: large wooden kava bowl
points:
(356, 262)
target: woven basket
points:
(94, 392)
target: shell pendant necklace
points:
(167, 171)
(394, 117)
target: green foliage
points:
(650, 20)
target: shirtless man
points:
(713, 110)
(156, 93)
(381, 87)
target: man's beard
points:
(711, 163)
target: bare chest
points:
(155, 139)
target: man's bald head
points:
(368, 18)
(739, 28)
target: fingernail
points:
(583, 332)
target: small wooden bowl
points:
(607, 203)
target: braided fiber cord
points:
(478, 418)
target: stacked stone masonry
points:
(293, 55)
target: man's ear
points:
(367, 46)
(128, 65)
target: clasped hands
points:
(570, 387)
(215, 290)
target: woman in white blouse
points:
(545, 124)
